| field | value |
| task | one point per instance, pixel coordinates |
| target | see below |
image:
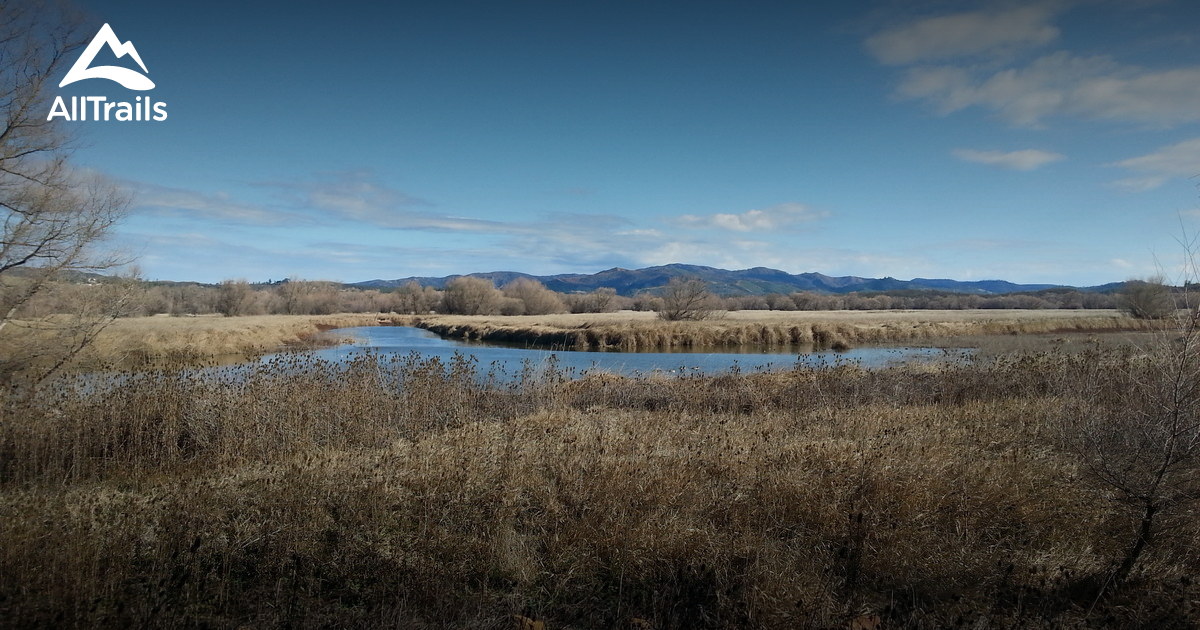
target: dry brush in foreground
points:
(402, 492)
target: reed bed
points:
(135, 340)
(639, 332)
(404, 492)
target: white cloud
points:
(358, 197)
(1062, 84)
(335, 198)
(963, 34)
(649, 233)
(1180, 160)
(983, 59)
(152, 199)
(782, 216)
(1025, 160)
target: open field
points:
(183, 340)
(218, 336)
(642, 331)
(394, 492)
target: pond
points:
(406, 340)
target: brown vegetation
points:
(643, 332)
(307, 297)
(53, 217)
(534, 297)
(472, 296)
(1148, 299)
(400, 492)
(603, 300)
(135, 341)
(687, 299)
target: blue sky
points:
(1034, 141)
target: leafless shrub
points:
(687, 299)
(1148, 299)
(1138, 434)
(644, 301)
(54, 218)
(468, 295)
(511, 306)
(602, 300)
(308, 297)
(535, 298)
(236, 298)
(416, 299)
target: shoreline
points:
(821, 330)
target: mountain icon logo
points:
(83, 68)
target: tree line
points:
(466, 295)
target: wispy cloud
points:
(355, 198)
(991, 60)
(352, 195)
(779, 217)
(550, 243)
(1154, 169)
(1024, 160)
(964, 34)
(220, 206)
(1062, 84)
(358, 197)
(174, 256)
(387, 262)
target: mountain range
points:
(755, 281)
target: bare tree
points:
(466, 295)
(1140, 436)
(1148, 299)
(55, 218)
(687, 298)
(414, 298)
(308, 297)
(602, 300)
(536, 298)
(1140, 440)
(235, 297)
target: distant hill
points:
(756, 281)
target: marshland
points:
(396, 490)
(643, 331)
(804, 315)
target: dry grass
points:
(397, 492)
(642, 331)
(137, 340)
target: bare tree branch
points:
(687, 298)
(54, 219)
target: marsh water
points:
(406, 340)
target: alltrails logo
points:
(99, 107)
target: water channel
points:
(406, 340)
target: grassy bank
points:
(395, 492)
(189, 340)
(642, 331)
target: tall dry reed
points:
(404, 492)
(803, 331)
